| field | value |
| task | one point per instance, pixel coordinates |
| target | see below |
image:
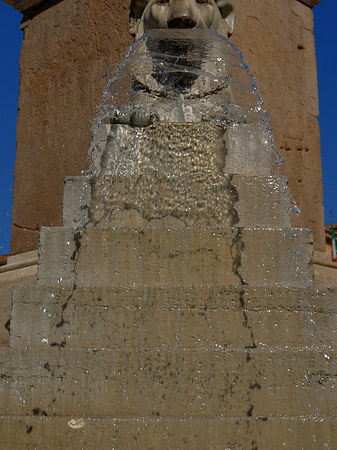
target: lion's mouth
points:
(181, 22)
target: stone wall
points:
(68, 47)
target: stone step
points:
(194, 317)
(176, 256)
(190, 199)
(77, 433)
(168, 382)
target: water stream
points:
(181, 76)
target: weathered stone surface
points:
(7, 281)
(249, 150)
(179, 317)
(54, 433)
(176, 256)
(286, 69)
(65, 56)
(61, 84)
(174, 383)
(325, 275)
(18, 269)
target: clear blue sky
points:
(10, 43)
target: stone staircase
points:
(175, 309)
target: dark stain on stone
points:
(174, 254)
(236, 249)
(60, 345)
(29, 429)
(254, 445)
(264, 419)
(77, 240)
(8, 326)
(65, 306)
(255, 386)
(250, 411)
(245, 321)
(234, 198)
(93, 190)
(47, 367)
(74, 257)
(38, 412)
(250, 346)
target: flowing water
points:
(181, 76)
(198, 72)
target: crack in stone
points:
(22, 227)
(74, 257)
(246, 321)
(236, 250)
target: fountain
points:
(175, 308)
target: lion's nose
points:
(181, 22)
(181, 14)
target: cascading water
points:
(181, 76)
(177, 78)
(198, 72)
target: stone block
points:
(173, 317)
(249, 150)
(192, 199)
(7, 281)
(176, 256)
(168, 382)
(264, 433)
(76, 201)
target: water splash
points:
(184, 76)
(181, 76)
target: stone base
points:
(19, 269)
(176, 256)
(264, 433)
(173, 317)
(174, 382)
(325, 270)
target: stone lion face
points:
(217, 15)
(181, 14)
